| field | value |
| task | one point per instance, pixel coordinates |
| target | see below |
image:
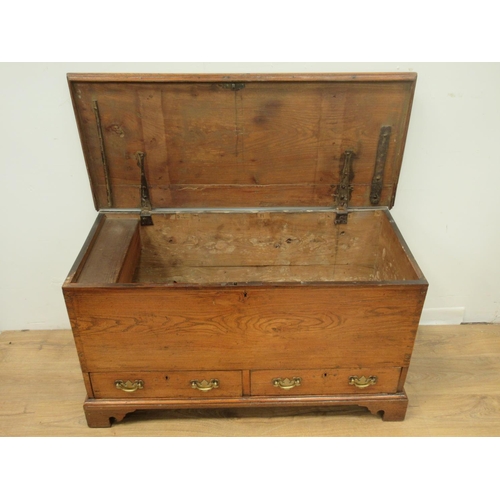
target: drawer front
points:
(324, 382)
(183, 384)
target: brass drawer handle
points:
(286, 383)
(362, 382)
(204, 385)
(129, 386)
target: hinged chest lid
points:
(209, 141)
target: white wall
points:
(447, 206)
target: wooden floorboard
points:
(453, 386)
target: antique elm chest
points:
(244, 253)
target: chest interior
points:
(242, 248)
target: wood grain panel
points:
(253, 274)
(121, 135)
(246, 328)
(243, 239)
(131, 260)
(110, 252)
(264, 246)
(219, 144)
(155, 141)
(357, 241)
(393, 259)
(204, 135)
(281, 131)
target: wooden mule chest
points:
(244, 253)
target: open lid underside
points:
(223, 141)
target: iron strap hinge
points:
(380, 160)
(344, 189)
(146, 219)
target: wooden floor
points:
(453, 386)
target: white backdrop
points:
(447, 206)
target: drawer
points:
(177, 384)
(324, 382)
